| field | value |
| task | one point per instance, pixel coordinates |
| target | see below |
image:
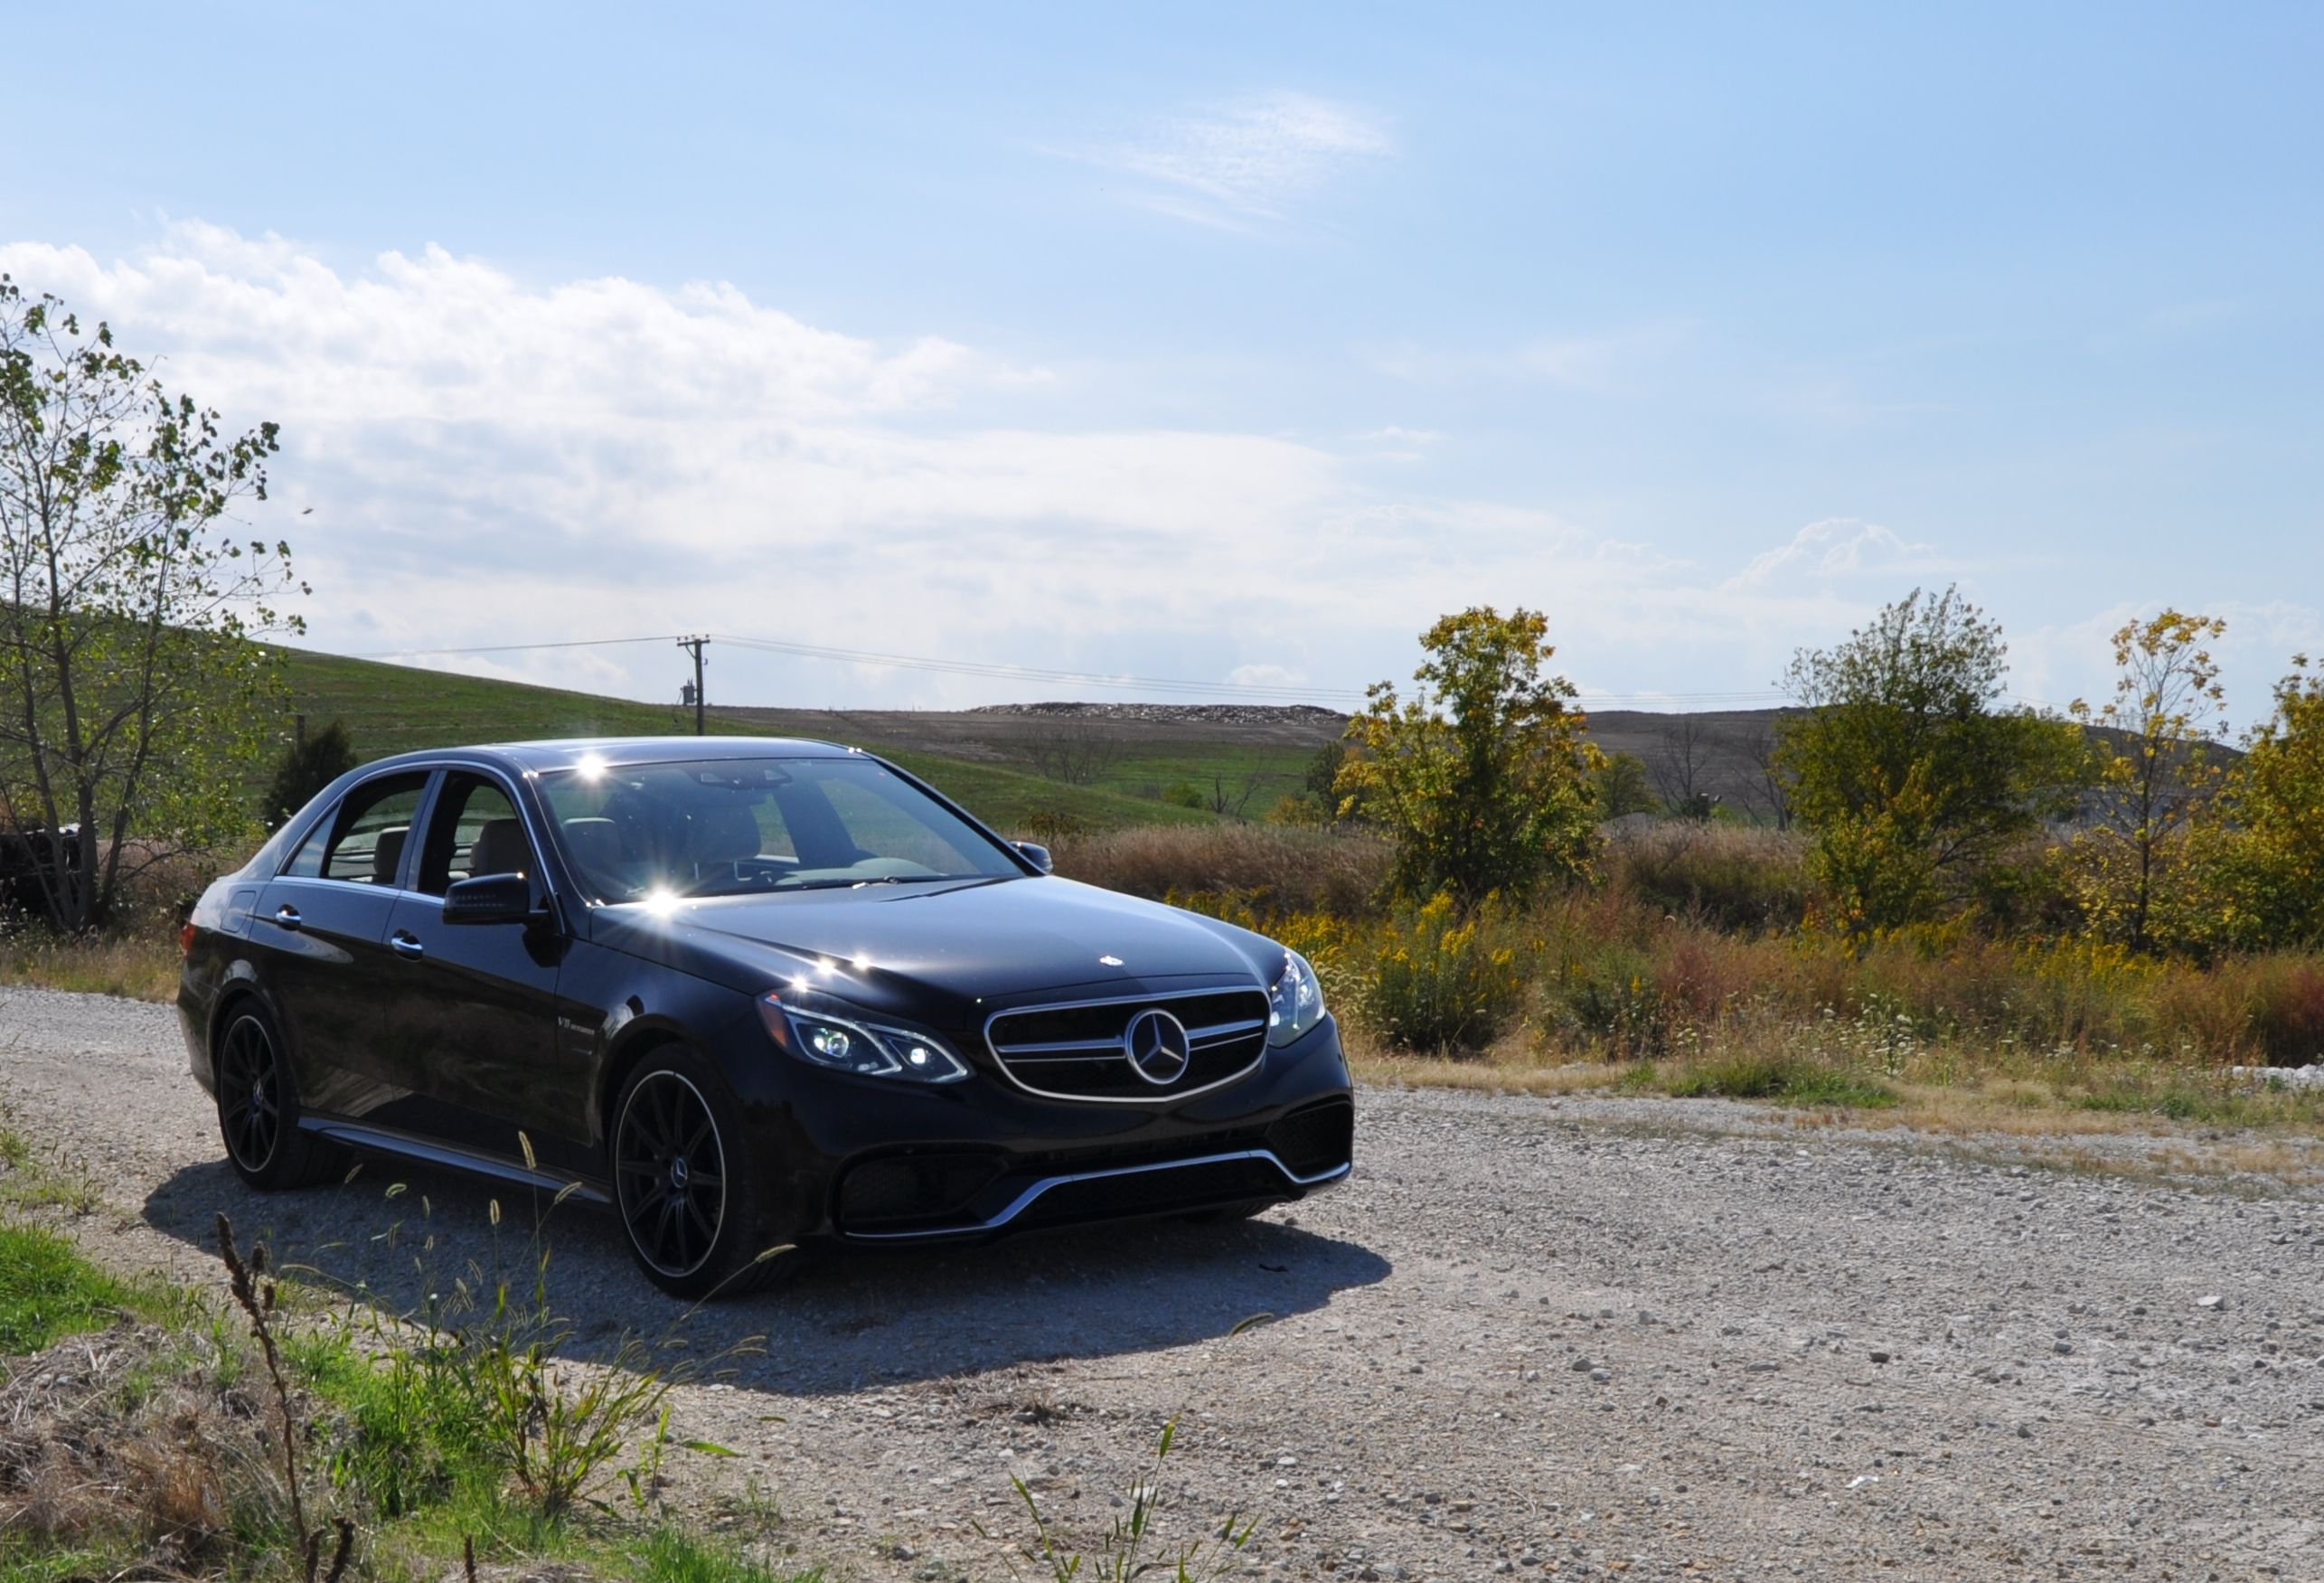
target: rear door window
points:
(363, 843)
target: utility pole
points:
(695, 643)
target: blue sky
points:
(1225, 343)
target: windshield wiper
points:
(842, 883)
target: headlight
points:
(869, 1049)
(1295, 1001)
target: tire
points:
(259, 1109)
(688, 1196)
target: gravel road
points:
(1546, 1337)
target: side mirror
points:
(1038, 855)
(489, 899)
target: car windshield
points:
(744, 826)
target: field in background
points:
(1090, 768)
(397, 708)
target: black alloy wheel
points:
(686, 1195)
(259, 1110)
(671, 1164)
(250, 1095)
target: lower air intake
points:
(913, 1188)
(1320, 1138)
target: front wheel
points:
(259, 1109)
(688, 1195)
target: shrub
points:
(305, 768)
(1440, 983)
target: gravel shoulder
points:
(1556, 1337)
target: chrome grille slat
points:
(1083, 1057)
(1059, 1047)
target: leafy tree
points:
(1315, 803)
(130, 684)
(2270, 847)
(1623, 787)
(306, 767)
(1905, 765)
(2154, 773)
(1482, 777)
(1321, 775)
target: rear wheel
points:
(688, 1196)
(259, 1109)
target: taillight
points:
(186, 940)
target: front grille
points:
(1157, 1192)
(1079, 1051)
(1320, 1138)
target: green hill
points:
(397, 708)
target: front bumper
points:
(875, 1162)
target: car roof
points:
(534, 757)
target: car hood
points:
(895, 945)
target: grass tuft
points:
(47, 1290)
(1769, 1077)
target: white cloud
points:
(1244, 162)
(495, 461)
(1837, 546)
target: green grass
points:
(1764, 1077)
(1277, 770)
(399, 709)
(47, 1290)
(21, 1562)
(2209, 1105)
(396, 1445)
(670, 1554)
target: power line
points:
(505, 648)
(1034, 672)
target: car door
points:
(318, 938)
(476, 1024)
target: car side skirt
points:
(380, 1140)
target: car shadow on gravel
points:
(843, 1321)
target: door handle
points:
(406, 945)
(287, 915)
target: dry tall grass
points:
(140, 966)
(1267, 867)
(1731, 876)
(114, 1445)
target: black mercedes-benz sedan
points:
(751, 993)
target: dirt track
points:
(1552, 1338)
